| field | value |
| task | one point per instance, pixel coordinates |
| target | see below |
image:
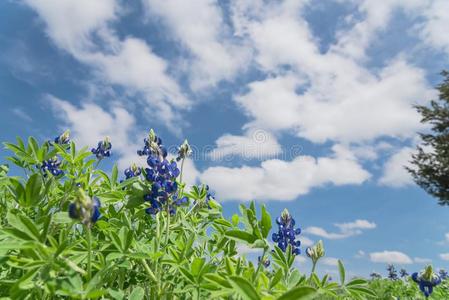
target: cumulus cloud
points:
(390, 257)
(255, 143)
(90, 123)
(129, 63)
(200, 27)
(346, 229)
(277, 179)
(394, 170)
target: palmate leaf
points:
(241, 236)
(137, 294)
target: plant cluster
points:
(68, 229)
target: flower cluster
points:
(264, 261)
(63, 139)
(426, 280)
(315, 252)
(375, 275)
(133, 171)
(184, 151)
(162, 174)
(51, 165)
(153, 146)
(443, 274)
(392, 273)
(403, 273)
(103, 149)
(286, 234)
(85, 208)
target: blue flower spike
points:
(162, 174)
(51, 166)
(103, 149)
(85, 209)
(184, 151)
(264, 261)
(63, 139)
(392, 273)
(426, 280)
(133, 171)
(286, 234)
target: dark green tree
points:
(430, 163)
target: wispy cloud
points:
(346, 229)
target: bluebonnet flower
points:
(375, 275)
(51, 165)
(153, 146)
(162, 174)
(63, 139)
(403, 273)
(264, 261)
(426, 280)
(133, 171)
(184, 151)
(392, 273)
(103, 149)
(287, 233)
(443, 274)
(85, 208)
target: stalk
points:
(89, 252)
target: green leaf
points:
(241, 235)
(302, 292)
(244, 288)
(197, 265)
(357, 281)
(61, 217)
(363, 290)
(218, 280)
(276, 278)
(117, 295)
(137, 294)
(235, 219)
(265, 222)
(114, 175)
(33, 190)
(341, 270)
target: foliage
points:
(54, 244)
(431, 162)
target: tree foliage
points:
(430, 164)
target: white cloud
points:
(330, 261)
(71, 22)
(276, 179)
(82, 28)
(90, 123)
(394, 172)
(421, 260)
(20, 112)
(346, 229)
(255, 143)
(390, 257)
(444, 256)
(305, 241)
(447, 236)
(434, 28)
(199, 26)
(360, 254)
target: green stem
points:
(182, 169)
(89, 252)
(167, 227)
(259, 265)
(148, 270)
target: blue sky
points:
(298, 104)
